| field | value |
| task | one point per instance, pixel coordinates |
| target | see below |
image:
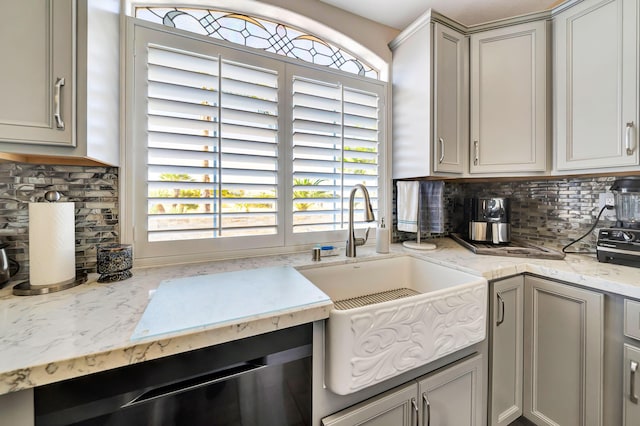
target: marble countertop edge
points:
(88, 329)
(154, 347)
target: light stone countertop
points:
(89, 328)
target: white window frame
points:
(133, 178)
(354, 82)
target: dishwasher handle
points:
(196, 382)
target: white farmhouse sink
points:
(371, 339)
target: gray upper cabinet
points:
(563, 366)
(596, 85)
(60, 82)
(37, 84)
(430, 100)
(450, 99)
(509, 99)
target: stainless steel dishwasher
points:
(263, 380)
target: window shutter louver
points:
(230, 152)
(335, 146)
(212, 146)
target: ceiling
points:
(400, 13)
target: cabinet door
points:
(631, 385)
(564, 361)
(453, 396)
(411, 104)
(430, 101)
(508, 99)
(450, 112)
(17, 408)
(595, 72)
(396, 407)
(37, 84)
(506, 350)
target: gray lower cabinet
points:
(631, 392)
(563, 363)
(506, 357)
(395, 407)
(451, 396)
(16, 408)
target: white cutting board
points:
(191, 303)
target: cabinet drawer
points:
(632, 319)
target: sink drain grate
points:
(372, 299)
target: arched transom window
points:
(258, 33)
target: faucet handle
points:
(362, 241)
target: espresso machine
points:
(488, 219)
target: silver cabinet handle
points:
(441, 150)
(501, 316)
(628, 139)
(414, 413)
(632, 382)
(56, 100)
(427, 408)
(476, 145)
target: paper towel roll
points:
(52, 243)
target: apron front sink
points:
(394, 314)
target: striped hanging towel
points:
(432, 206)
(408, 199)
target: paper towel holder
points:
(52, 196)
(25, 288)
(417, 244)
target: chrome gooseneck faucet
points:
(352, 242)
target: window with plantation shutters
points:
(230, 150)
(335, 146)
(212, 147)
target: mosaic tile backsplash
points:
(94, 190)
(546, 212)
